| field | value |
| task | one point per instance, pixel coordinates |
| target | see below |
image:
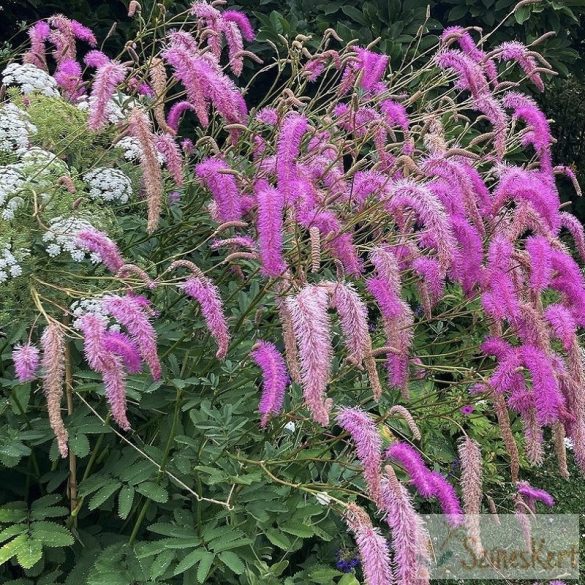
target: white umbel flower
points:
(15, 129)
(11, 181)
(133, 151)
(62, 237)
(108, 185)
(30, 79)
(9, 266)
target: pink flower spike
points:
(83, 33)
(413, 464)
(312, 331)
(26, 361)
(562, 324)
(368, 445)
(171, 152)
(372, 546)
(207, 295)
(270, 229)
(293, 128)
(96, 59)
(409, 536)
(53, 368)
(532, 494)
(372, 65)
(131, 312)
(518, 52)
(242, 21)
(274, 379)
(353, 317)
(38, 35)
(121, 345)
(69, 78)
(98, 243)
(105, 82)
(175, 113)
(223, 187)
(106, 363)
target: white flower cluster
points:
(15, 129)
(93, 306)
(131, 148)
(133, 151)
(30, 79)
(62, 235)
(108, 185)
(9, 266)
(11, 181)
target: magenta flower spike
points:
(38, 34)
(176, 112)
(223, 187)
(98, 243)
(69, 78)
(121, 345)
(518, 52)
(270, 226)
(131, 312)
(532, 495)
(293, 128)
(26, 358)
(274, 379)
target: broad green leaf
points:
(204, 566)
(79, 444)
(103, 494)
(188, 561)
(153, 491)
(29, 553)
(125, 499)
(13, 512)
(233, 561)
(11, 548)
(51, 534)
(161, 563)
(11, 531)
(278, 539)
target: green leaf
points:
(153, 491)
(161, 563)
(29, 553)
(297, 529)
(125, 499)
(11, 548)
(233, 561)
(103, 494)
(278, 539)
(355, 14)
(348, 579)
(13, 512)
(51, 534)
(457, 12)
(204, 566)
(11, 531)
(79, 444)
(190, 560)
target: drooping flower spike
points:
(274, 379)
